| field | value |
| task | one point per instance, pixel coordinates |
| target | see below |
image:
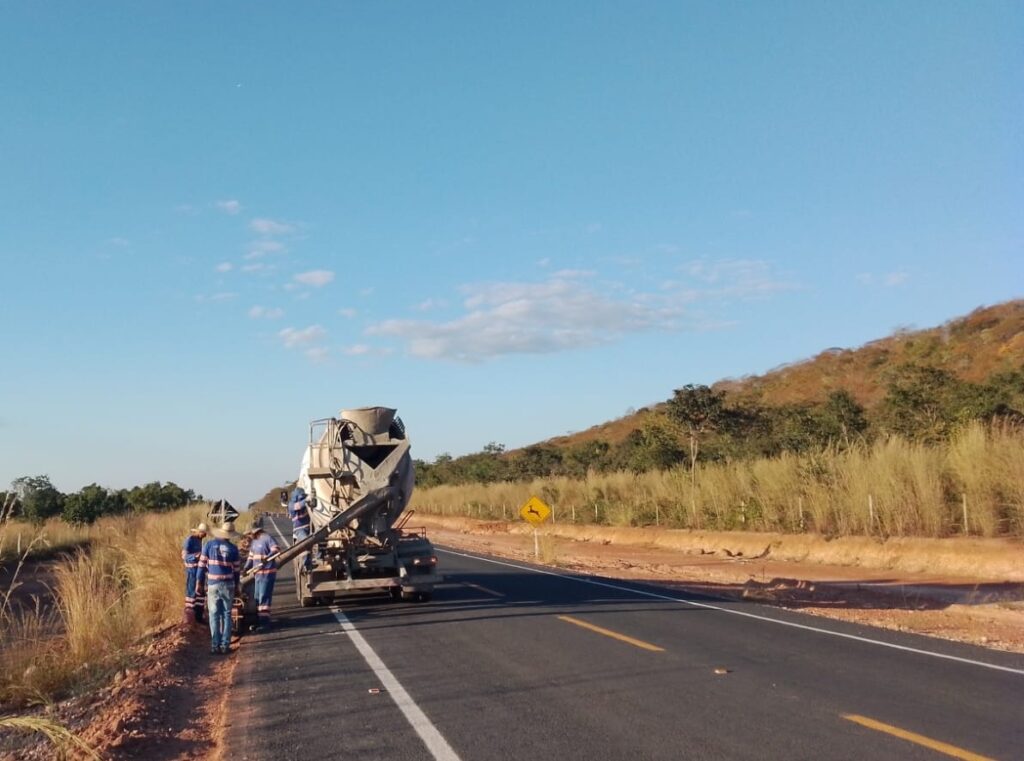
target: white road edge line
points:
(731, 612)
(432, 738)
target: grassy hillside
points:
(972, 348)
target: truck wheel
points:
(396, 593)
(424, 597)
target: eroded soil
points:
(168, 704)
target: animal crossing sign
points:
(535, 511)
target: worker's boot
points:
(189, 617)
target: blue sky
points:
(218, 222)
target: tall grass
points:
(891, 487)
(51, 538)
(105, 599)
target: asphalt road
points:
(512, 662)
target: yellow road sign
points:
(535, 511)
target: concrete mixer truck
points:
(359, 476)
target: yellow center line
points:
(614, 635)
(483, 589)
(936, 745)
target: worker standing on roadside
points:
(190, 552)
(298, 511)
(219, 572)
(262, 548)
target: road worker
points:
(262, 548)
(298, 511)
(190, 552)
(219, 573)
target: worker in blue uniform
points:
(298, 511)
(219, 567)
(261, 550)
(191, 549)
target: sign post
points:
(534, 511)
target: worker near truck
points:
(191, 549)
(298, 511)
(262, 548)
(219, 566)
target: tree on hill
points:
(653, 446)
(581, 458)
(536, 461)
(843, 418)
(928, 403)
(699, 410)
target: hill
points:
(971, 348)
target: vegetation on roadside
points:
(37, 500)
(971, 483)
(104, 600)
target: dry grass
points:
(105, 599)
(50, 539)
(890, 488)
(59, 736)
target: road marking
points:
(483, 589)
(432, 738)
(936, 745)
(614, 635)
(283, 540)
(742, 613)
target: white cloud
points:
(265, 226)
(224, 267)
(260, 248)
(314, 278)
(207, 298)
(266, 313)
(734, 278)
(572, 309)
(256, 267)
(364, 350)
(886, 280)
(229, 206)
(292, 337)
(348, 312)
(317, 354)
(430, 304)
(560, 313)
(118, 242)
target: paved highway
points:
(511, 661)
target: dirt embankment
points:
(168, 703)
(970, 590)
